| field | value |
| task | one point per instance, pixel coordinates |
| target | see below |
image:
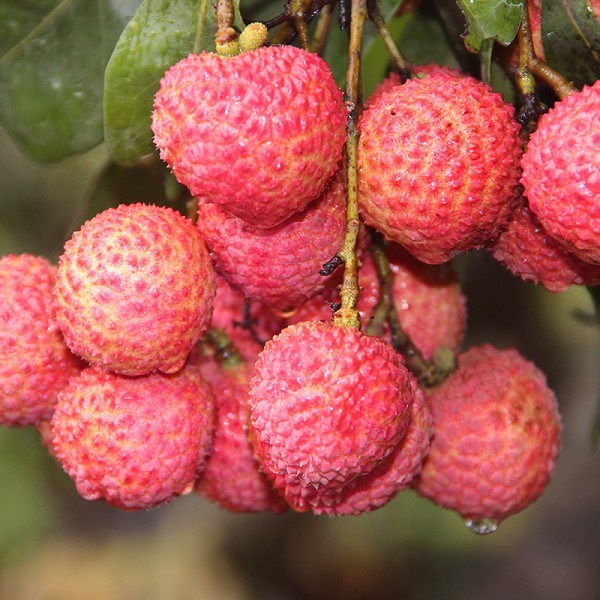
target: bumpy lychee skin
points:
(561, 172)
(278, 266)
(134, 442)
(259, 134)
(35, 363)
(327, 404)
(134, 289)
(394, 473)
(232, 477)
(527, 251)
(438, 165)
(497, 435)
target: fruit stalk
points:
(347, 315)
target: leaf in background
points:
(52, 59)
(161, 33)
(571, 39)
(491, 19)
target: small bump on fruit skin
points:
(35, 363)
(327, 404)
(438, 165)
(134, 289)
(134, 442)
(278, 266)
(232, 477)
(561, 172)
(496, 436)
(527, 251)
(259, 134)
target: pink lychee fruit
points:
(134, 289)
(259, 134)
(496, 436)
(35, 363)
(528, 252)
(561, 172)
(327, 404)
(278, 266)
(134, 442)
(438, 165)
(232, 477)
(394, 473)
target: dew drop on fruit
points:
(481, 526)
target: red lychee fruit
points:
(561, 172)
(438, 165)
(496, 437)
(327, 404)
(527, 251)
(35, 363)
(420, 71)
(232, 477)
(134, 289)
(134, 442)
(259, 134)
(278, 266)
(394, 473)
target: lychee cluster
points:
(167, 354)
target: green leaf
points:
(571, 39)
(161, 33)
(491, 20)
(52, 59)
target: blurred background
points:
(54, 545)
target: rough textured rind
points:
(134, 442)
(232, 477)
(438, 165)
(527, 251)
(497, 435)
(278, 266)
(394, 473)
(327, 404)
(35, 363)
(561, 172)
(134, 289)
(259, 134)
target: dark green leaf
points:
(52, 61)
(161, 33)
(491, 20)
(571, 39)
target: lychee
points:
(496, 436)
(438, 165)
(327, 404)
(259, 134)
(35, 363)
(134, 442)
(561, 172)
(278, 266)
(527, 251)
(232, 477)
(134, 289)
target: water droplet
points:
(482, 526)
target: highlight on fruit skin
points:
(134, 442)
(496, 436)
(35, 363)
(438, 165)
(134, 289)
(560, 172)
(259, 134)
(327, 404)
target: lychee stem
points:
(200, 25)
(402, 65)
(347, 315)
(561, 85)
(322, 30)
(226, 37)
